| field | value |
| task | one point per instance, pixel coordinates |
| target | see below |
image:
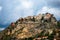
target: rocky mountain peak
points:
(29, 27)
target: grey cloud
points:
(53, 3)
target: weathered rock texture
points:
(29, 27)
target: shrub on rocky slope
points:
(31, 28)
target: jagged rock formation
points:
(29, 27)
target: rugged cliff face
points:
(29, 27)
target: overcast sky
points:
(11, 10)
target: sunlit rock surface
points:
(29, 27)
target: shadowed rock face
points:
(29, 27)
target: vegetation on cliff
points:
(40, 27)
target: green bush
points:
(58, 24)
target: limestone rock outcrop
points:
(29, 27)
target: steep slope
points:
(29, 27)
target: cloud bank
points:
(11, 10)
(2, 29)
